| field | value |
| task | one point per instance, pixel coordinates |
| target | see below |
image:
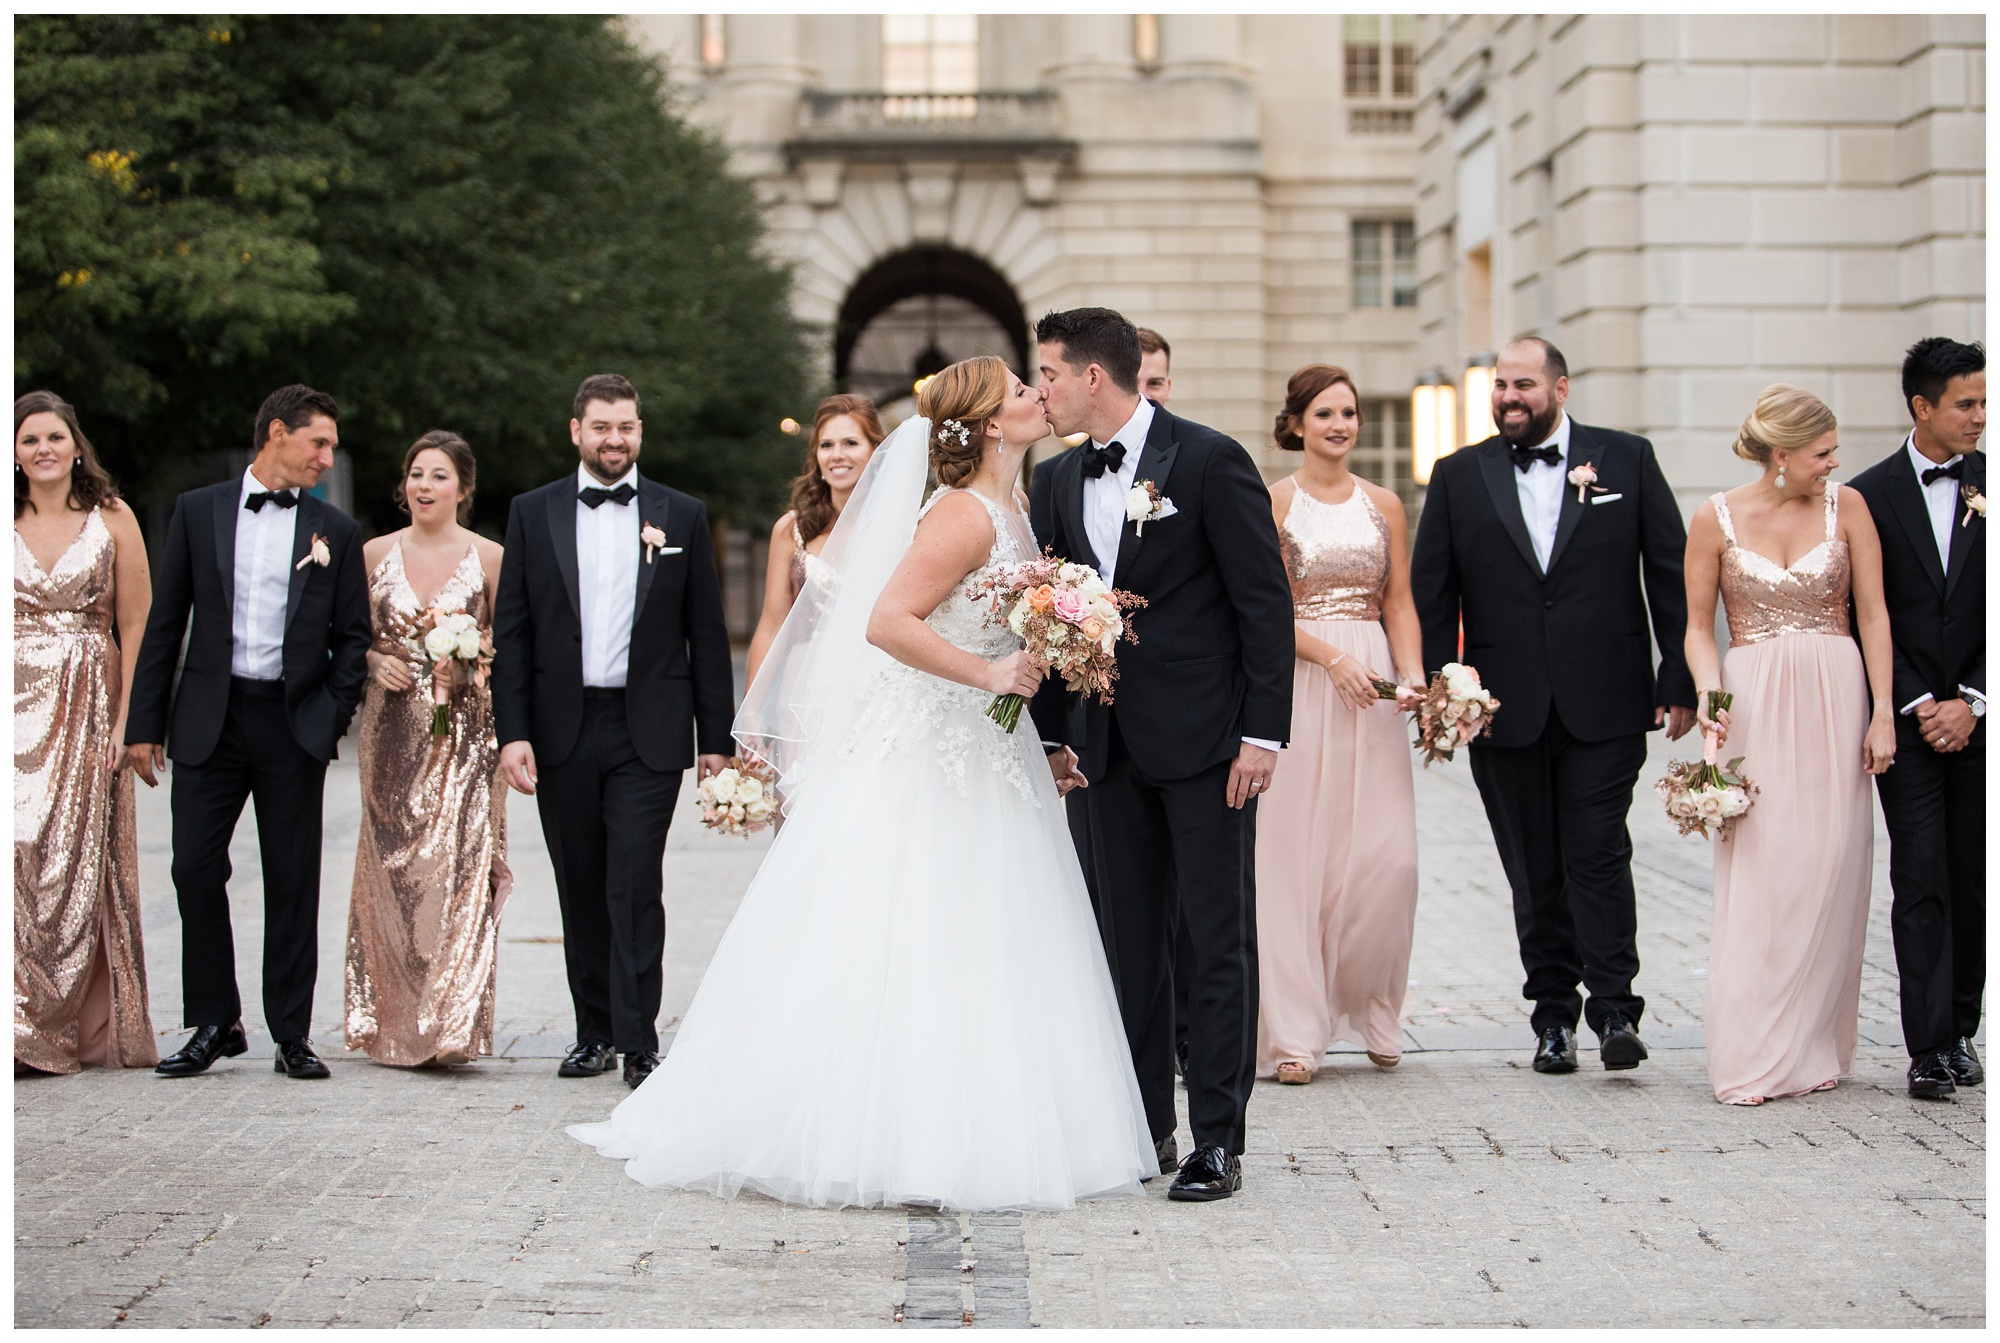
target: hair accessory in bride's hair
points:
(955, 431)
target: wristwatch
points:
(1978, 707)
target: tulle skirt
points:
(1792, 879)
(1336, 868)
(911, 1004)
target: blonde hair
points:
(1785, 419)
(959, 401)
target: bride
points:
(911, 1004)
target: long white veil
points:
(808, 691)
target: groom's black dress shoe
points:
(205, 1046)
(587, 1060)
(1619, 1045)
(1209, 1174)
(1965, 1069)
(1555, 1050)
(639, 1065)
(296, 1059)
(1167, 1154)
(1930, 1075)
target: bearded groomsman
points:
(1535, 543)
(611, 661)
(1922, 497)
(274, 667)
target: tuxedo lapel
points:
(228, 503)
(1582, 448)
(1967, 527)
(304, 528)
(1499, 473)
(1156, 463)
(654, 510)
(562, 538)
(1069, 502)
(1906, 500)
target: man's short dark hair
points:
(1553, 362)
(1095, 336)
(295, 405)
(607, 387)
(1152, 342)
(1932, 363)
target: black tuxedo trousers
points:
(1935, 809)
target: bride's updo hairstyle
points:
(958, 402)
(1785, 419)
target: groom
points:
(611, 660)
(1537, 569)
(1204, 703)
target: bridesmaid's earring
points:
(1781, 478)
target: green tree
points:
(444, 221)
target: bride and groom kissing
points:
(916, 1001)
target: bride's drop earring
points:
(1780, 482)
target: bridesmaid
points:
(80, 577)
(430, 865)
(1791, 881)
(1337, 833)
(845, 433)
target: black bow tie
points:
(591, 495)
(1525, 457)
(256, 500)
(1096, 460)
(1956, 471)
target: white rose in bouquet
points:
(1708, 804)
(441, 642)
(1460, 681)
(723, 785)
(1017, 619)
(1103, 609)
(1069, 573)
(759, 809)
(468, 644)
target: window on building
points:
(713, 53)
(930, 53)
(1403, 55)
(1382, 452)
(1363, 55)
(1385, 263)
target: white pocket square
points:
(1606, 498)
(1167, 510)
(667, 550)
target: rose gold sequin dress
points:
(1337, 832)
(79, 964)
(430, 865)
(1791, 881)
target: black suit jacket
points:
(679, 686)
(1574, 638)
(1213, 663)
(1937, 612)
(326, 628)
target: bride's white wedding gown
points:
(911, 1004)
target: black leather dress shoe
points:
(1930, 1075)
(1619, 1045)
(296, 1059)
(639, 1065)
(1965, 1069)
(1207, 1175)
(1167, 1153)
(587, 1060)
(1555, 1050)
(205, 1046)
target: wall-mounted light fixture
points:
(1478, 383)
(1433, 423)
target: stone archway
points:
(917, 309)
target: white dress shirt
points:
(1541, 491)
(1104, 496)
(607, 578)
(1940, 501)
(264, 541)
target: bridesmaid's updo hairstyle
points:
(89, 483)
(1785, 419)
(1304, 389)
(454, 447)
(812, 501)
(958, 402)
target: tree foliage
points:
(445, 221)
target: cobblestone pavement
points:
(1460, 1188)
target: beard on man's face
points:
(1539, 427)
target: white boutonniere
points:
(1144, 503)
(1975, 502)
(317, 554)
(655, 542)
(1584, 477)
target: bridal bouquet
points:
(454, 652)
(738, 800)
(1700, 794)
(1452, 710)
(1068, 617)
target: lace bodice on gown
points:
(1764, 599)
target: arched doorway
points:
(915, 311)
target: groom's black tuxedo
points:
(1567, 654)
(1934, 804)
(1213, 665)
(233, 739)
(610, 760)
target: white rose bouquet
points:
(738, 800)
(1451, 711)
(1702, 793)
(454, 651)
(1069, 618)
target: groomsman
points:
(611, 660)
(274, 667)
(1544, 576)
(1934, 796)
